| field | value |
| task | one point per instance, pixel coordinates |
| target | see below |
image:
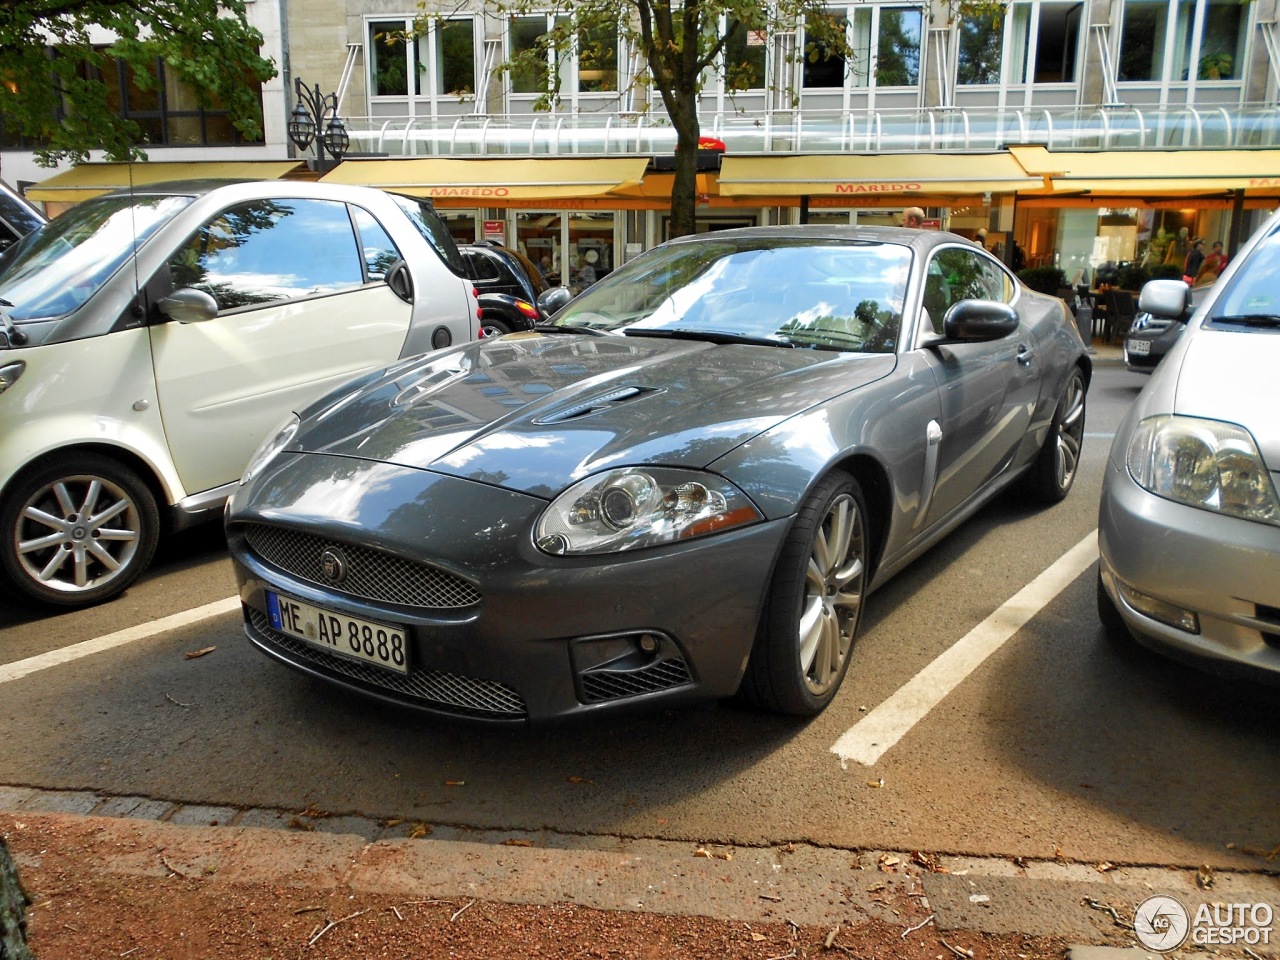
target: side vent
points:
(597, 404)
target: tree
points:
(54, 58)
(681, 43)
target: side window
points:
(956, 274)
(266, 251)
(380, 253)
(483, 267)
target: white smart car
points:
(150, 340)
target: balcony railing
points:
(960, 130)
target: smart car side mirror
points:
(549, 301)
(978, 320)
(400, 280)
(1165, 298)
(188, 305)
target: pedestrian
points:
(913, 217)
(1195, 257)
(1213, 265)
(980, 238)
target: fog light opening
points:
(648, 644)
(1166, 613)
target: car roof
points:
(247, 187)
(907, 236)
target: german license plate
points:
(1139, 348)
(367, 640)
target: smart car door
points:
(987, 390)
(301, 308)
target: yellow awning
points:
(480, 180)
(1150, 172)
(905, 174)
(92, 179)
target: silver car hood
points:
(1231, 375)
(533, 412)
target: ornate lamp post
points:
(310, 112)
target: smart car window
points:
(482, 268)
(266, 251)
(380, 252)
(428, 223)
(843, 295)
(54, 270)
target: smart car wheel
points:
(1055, 468)
(814, 604)
(77, 532)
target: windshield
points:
(817, 293)
(53, 271)
(1253, 295)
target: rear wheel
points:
(493, 328)
(1055, 468)
(814, 605)
(77, 532)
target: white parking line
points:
(54, 658)
(867, 740)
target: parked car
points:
(17, 217)
(1187, 527)
(133, 389)
(682, 487)
(509, 285)
(1151, 337)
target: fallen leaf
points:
(419, 830)
(888, 862)
(1058, 854)
(757, 937)
(297, 824)
(583, 780)
(1104, 866)
(789, 848)
(313, 813)
(1204, 877)
(393, 822)
(517, 842)
(199, 653)
(877, 887)
(702, 852)
(876, 783)
(455, 783)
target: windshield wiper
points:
(546, 327)
(711, 336)
(1251, 319)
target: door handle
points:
(1025, 354)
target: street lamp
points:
(309, 115)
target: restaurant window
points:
(1150, 51)
(745, 54)
(886, 38)
(395, 53)
(165, 108)
(1055, 30)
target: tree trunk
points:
(684, 190)
(13, 906)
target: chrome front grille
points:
(371, 574)
(604, 684)
(467, 696)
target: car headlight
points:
(635, 507)
(1207, 464)
(275, 442)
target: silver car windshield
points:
(819, 293)
(53, 271)
(1252, 300)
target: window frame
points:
(853, 73)
(423, 60)
(1181, 47)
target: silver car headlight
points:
(275, 442)
(1207, 464)
(635, 507)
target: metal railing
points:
(953, 129)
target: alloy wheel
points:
(834, 585)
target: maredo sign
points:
(876, 187)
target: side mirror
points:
(400, 280)
(979, 320)
(551, 301)
(1165, 298)
(188, 305)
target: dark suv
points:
(509, 285)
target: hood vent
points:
(605, 401)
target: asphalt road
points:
(1062, 743)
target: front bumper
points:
(1223, 570)
(513, 634)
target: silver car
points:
(682, 487)
(1189, 525)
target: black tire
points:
(494, 328)
(51, 554)
(1055, 469)
(813, 608)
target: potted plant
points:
(1216, 66)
